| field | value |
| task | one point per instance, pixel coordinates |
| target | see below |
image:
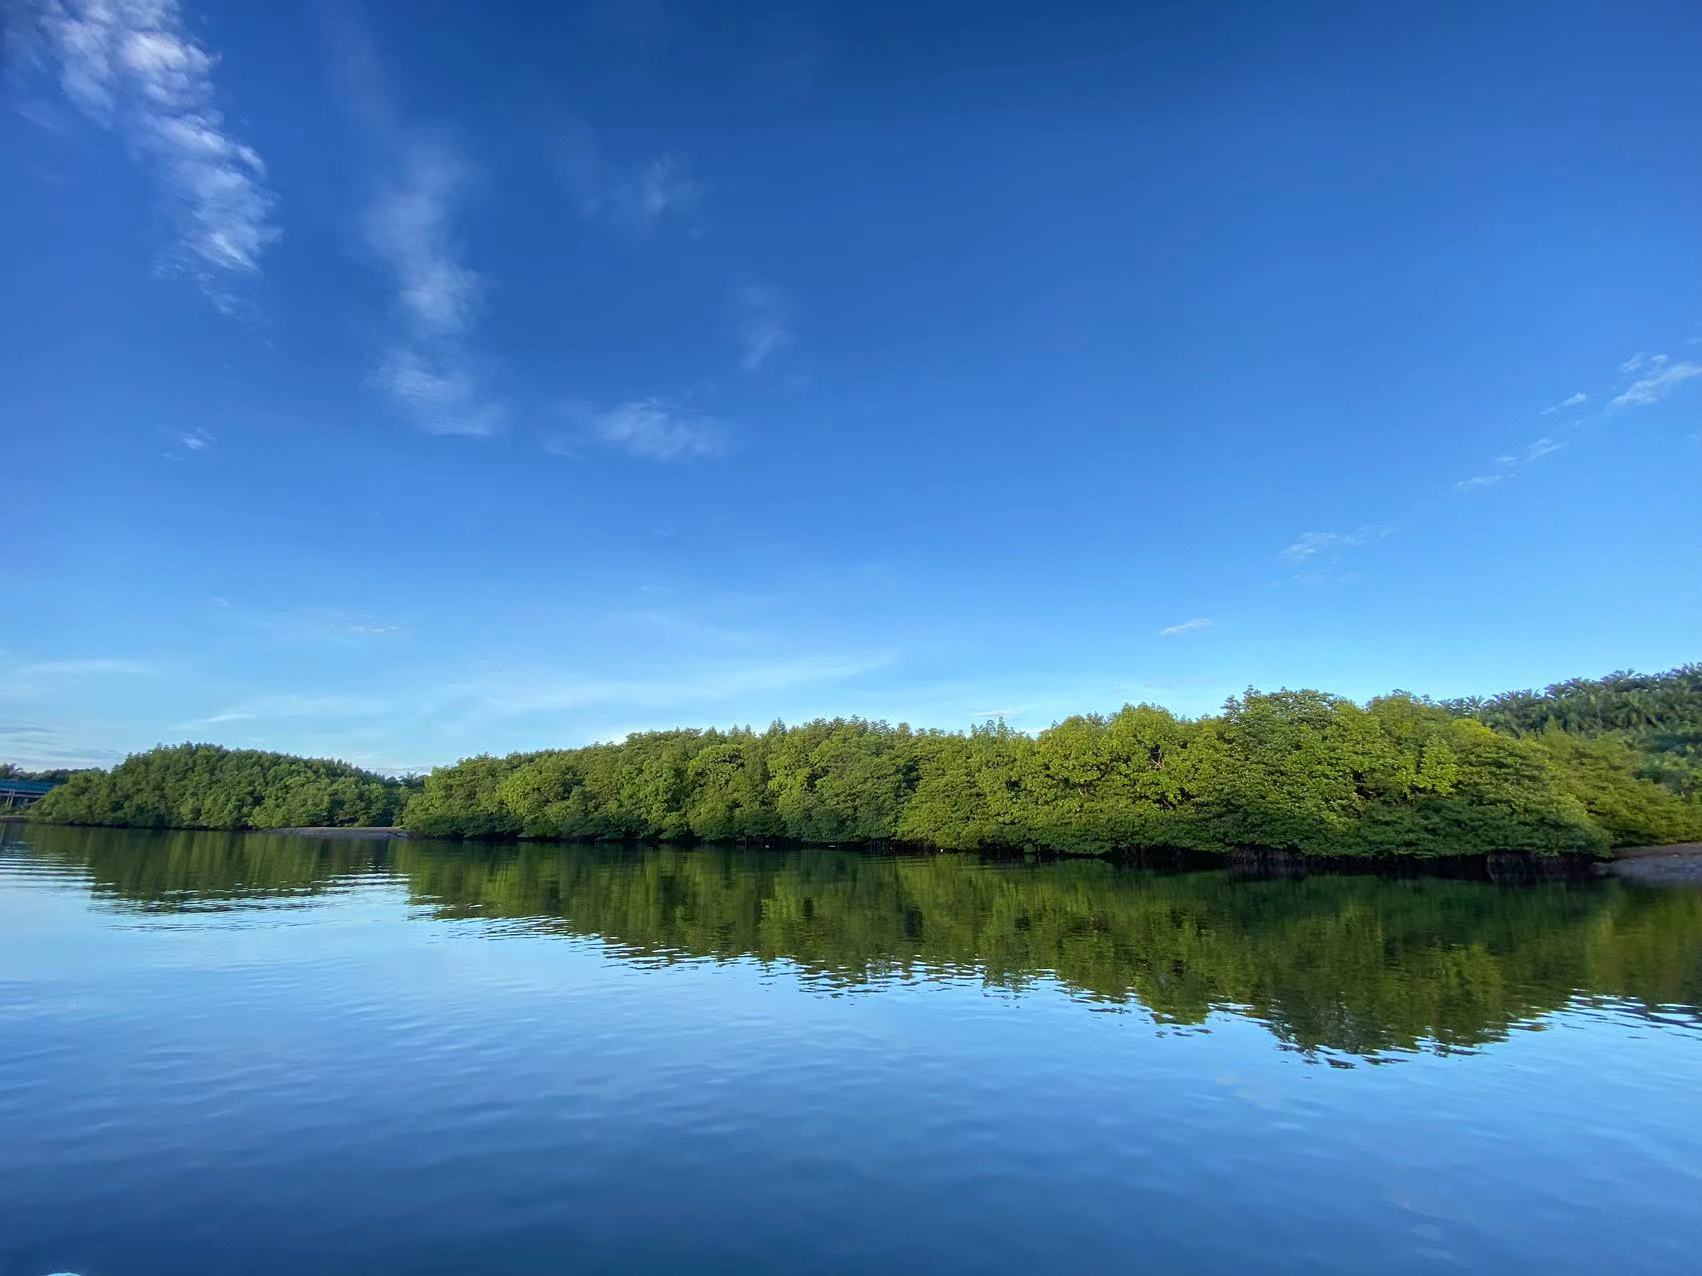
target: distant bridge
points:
(22, 792)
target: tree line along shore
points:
(1580, 767)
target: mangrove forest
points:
(1578, 768)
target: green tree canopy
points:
(1578, 768)
(203, 786)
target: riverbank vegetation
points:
(1291, 771)
(202, 786)
(1576, 769)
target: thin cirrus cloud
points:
(130, 66)
(1646, 379)
(428, 372)
(437, 390)
(186, 442)
(1310, 546)
(634, 197)
(270, 708)
(312, 626)
(1571, 401)
(653, 430)
(408, 226)
(762, 321)
(53, 747)
(1197, 625)
(1508, 466)
(1650, 379)
(1656, 376)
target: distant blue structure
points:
(15, 793)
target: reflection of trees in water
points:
(1357, 963)
(182, 870)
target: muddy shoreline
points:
(381, 834)
(1677, 865)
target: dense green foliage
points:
(1656, 705)
(1656, 716)
(201, 786)
(1297, 771)
(1336, 962)
(1578, 768)
(1608, 736)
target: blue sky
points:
(398, 383)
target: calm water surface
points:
(249, 1053)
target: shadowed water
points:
(267, 1053)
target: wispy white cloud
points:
(131, 66)
(429, 373)
(435, 388)
(39, 746)
(427, 367)
(1478, 481)
(1657, 376)
(1194, 626)
(186, 442)
(1310, 545)
(652, 429)
(634, 197)
(292, 706)
(57, 749)
(216, 719)
(1647, 378)
(318, 626)
(1507, 466)
(409, 226)
(762, 318)
(1571, 401)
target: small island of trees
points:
(203, 786)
